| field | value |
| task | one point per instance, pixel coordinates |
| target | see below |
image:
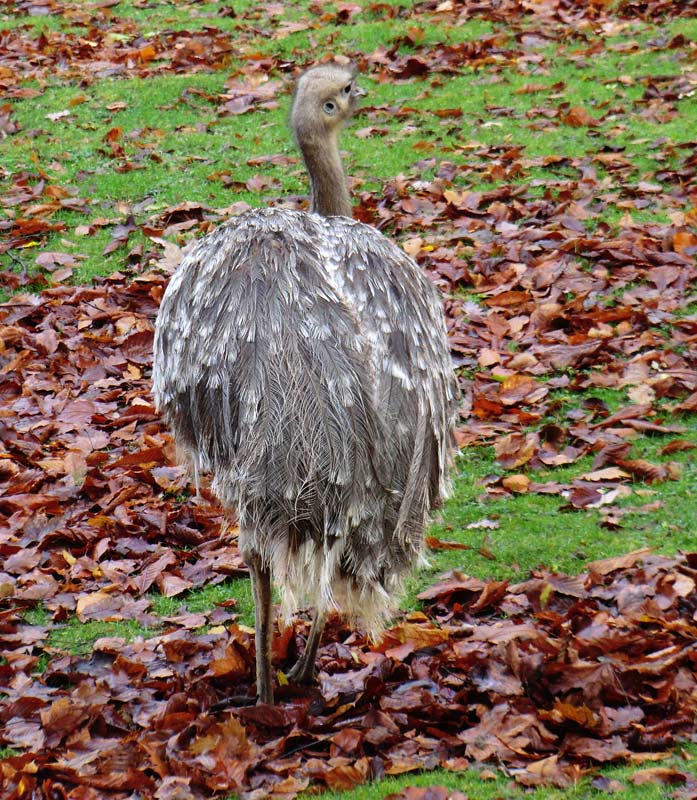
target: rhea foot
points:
(303, 671)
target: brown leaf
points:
(607, 474)
(651, 473)
(344, 777)
(456, 582)
(521, 388)
(439, 544)
(516, 483)
(607, 785)
(172, 585)
(98, 605)
(609, 565)
(659, 775)
(51, 260)
(516, 449)
(685, 241)
(433, 792)
(677, 445)
(578, 117)
(120, 235)
(580, 714)
(414, 636)
(231, 665)
(149, 457)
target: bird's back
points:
(302, 362)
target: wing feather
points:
(261, 370)
(401, 313)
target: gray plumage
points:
(302, 361)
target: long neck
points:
(328, 193)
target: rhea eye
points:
(347, 89)
(330, 107)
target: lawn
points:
(540, 166)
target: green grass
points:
(37, 615)
(500, 787)
(78, 637)
(178, 144)
(205, 599)
(532, 531)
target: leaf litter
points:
(544, 678)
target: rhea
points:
(301, 360)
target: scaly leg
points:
(261, 588)
(303, 671)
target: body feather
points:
(302, 361)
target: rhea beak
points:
(358, 91)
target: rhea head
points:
(325, 98)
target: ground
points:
(538, 160)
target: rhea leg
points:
(261, 588)
(303, 671)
